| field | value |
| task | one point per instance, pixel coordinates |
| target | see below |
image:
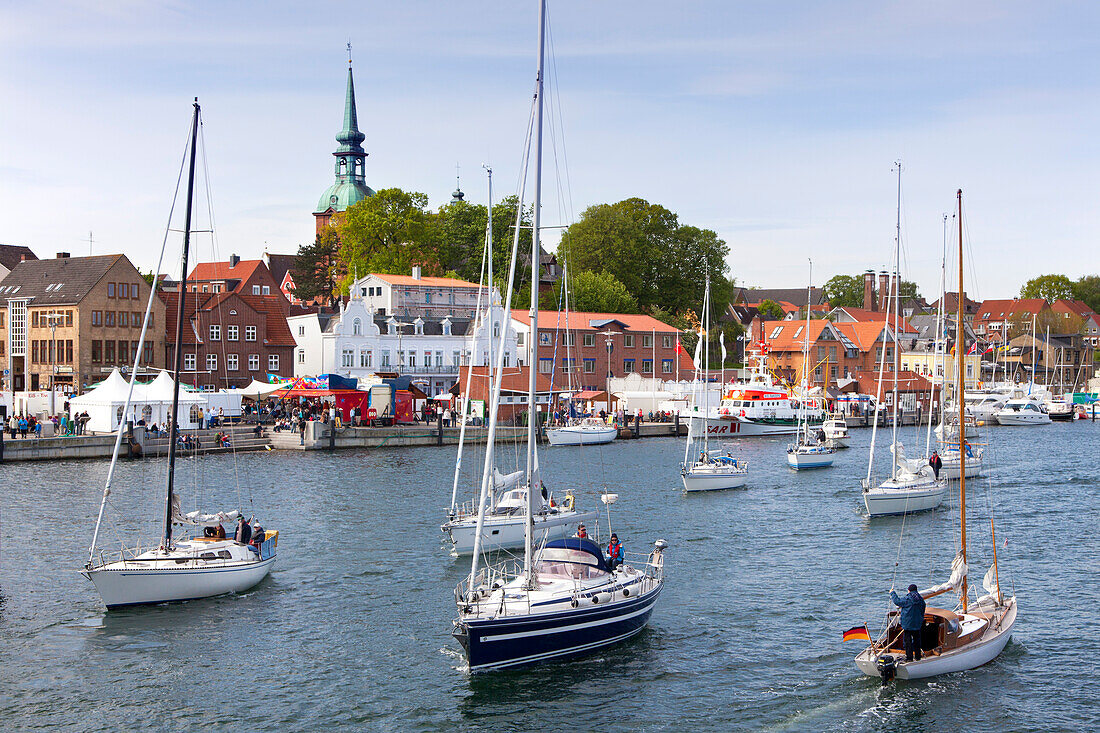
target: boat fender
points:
(887, 668)
(573, 602)
(626, 592)
(595, 598)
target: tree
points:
(844, 291)
(388, 232)
(1048, 287)
(314, 268)
(769, 310)
(1087, 289)
(600, 293)
(908, 289)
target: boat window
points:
(226, 554)
(208, 556)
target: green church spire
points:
(351, 185)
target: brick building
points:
(843, 349)
(74, 319)
(578, 347)
(229, 338)
(994, 317)
(11, 255)
(244, 277)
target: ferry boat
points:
(760, 406)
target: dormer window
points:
(391, 327)
(446, 326)
(418, 325)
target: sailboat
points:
(808, 452)
(703, 469)
(577, 430)
(972, 633)
(567, 598)
(504, 525)
(192, 567)
(912, 486)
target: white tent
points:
(157, 399)
(257, 389)
(150, 402)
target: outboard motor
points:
(887, 668)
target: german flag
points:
(857, 632)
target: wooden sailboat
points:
(972, 633)
(177, 569)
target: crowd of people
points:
(29, 426)
(619, 418)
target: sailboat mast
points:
(959, 355)
(173, 424)
(532, 415)
(802, 426)
(894, 282)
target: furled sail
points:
(958, 573)
(907, 467)
(989, 582)
(504, 482)
(198, 519)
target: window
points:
(267, 290)
(570, 338)
(124, 290)
(776, 331)
(647, 366)
(188, 362)
(134, 292)
(215, 332)
(412, 359)
(427, 358)
(544, 339)
(253, 362)
(273, 363)
(666, 366)
(357, 327)
(418, 327)
(496, 330)
(34, 319)
(97, 318)
(97, 352)
(628, 340)
(231, 362)
(568, 365)
(255, 289)
(211, 362)
(666, 341)
(147, 353)
(798, 332)
(456, 357)
(428, 297)
(301, 356)
(123, 319)
(135, 320)
(439, 359)
(347, 358)
(647, 341)
(628, 366)
(385, 358)
(589, 366)
(365, 358)
(589, 339)
(301, 330)
(546, 366)
(34, 352)
(249, 333)
(109, 319)
(519, 339)
(123, 350)
(110, 290)
(446, 327)
(231, 332)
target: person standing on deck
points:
(912, 620)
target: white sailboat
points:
(971, 634)
(912, 486)
(807, 451)
(505, 522)
(176, 569)
(567, 598)
(704, 469)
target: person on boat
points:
(912, 620)
(581, 532)
(935, 462)
(244, 531)
(257, 538)
(219, 532)
(614, 552)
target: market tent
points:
(150, 402)
(257, 389)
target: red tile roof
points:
(583, 321)
(1077, 307)
(792, 334)
(211, 271)
(445, 282)
(998, 310)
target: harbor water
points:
(351, 631)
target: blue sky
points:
(776, 124)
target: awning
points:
(443, 397)
(589, 394)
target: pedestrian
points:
(22, 426)
(912, 620)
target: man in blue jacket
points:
(912, 619)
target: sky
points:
(775, 124)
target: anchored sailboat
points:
(807, 451)
(177, 569)
(969, 635)
(567, 598)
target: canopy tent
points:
(258, 390)
(150, 402)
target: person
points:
(219, 532)
(935, 462)
(581, 532)
(614, 552)
(912, 620)
(23, 427)
(244, 531)
(257, 538)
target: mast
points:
(173, 424)
(802, 426)
(705, 338)
(940, 328)
(961, 405)
(895, 284)
(532, 414)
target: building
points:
(361, 339)
(913, 390)
(940, 368)
(837, 350)
(951, 305)
(1072, 311)
(994, 317)
(71, 320)
(230, 338)
(793, 297)
(1064, 361)
(583, 350)
(418, 295)
(350, 186)
(281, 267)
(11, 255)
(244, 277)
(514, 386)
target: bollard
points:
(676, 424)
(332, 433)
(637, 425)
(439, 428)
(3, 427)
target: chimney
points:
(416, 272)
(883, 289)
(869, 291)
(234, 260)
(62, 255)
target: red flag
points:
(679, 348)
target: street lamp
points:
(52, 319)
(607, 340)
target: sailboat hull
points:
(971, 656)
(740, 426)
(582, 435)
(717, 479)
(528, 639)
(886, 501)
(506, 533)
(800, 461)
(127, 583)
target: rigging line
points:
(571, 211)
(220, 311)
(141, 345)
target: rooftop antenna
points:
(458, 181)
(90, 241)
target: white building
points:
(361, 339)
(409, 296)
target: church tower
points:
(350, 186)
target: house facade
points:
(71, 320)
(996, 318)
(419, 295)
(836, 350)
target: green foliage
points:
(600, 293)
(908, 289)
(1048, 287)
(148, 277)
(1087, 289)
(844, 291)
(770, 310)
(315, 267)
(386, 233)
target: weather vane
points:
(349, 52)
